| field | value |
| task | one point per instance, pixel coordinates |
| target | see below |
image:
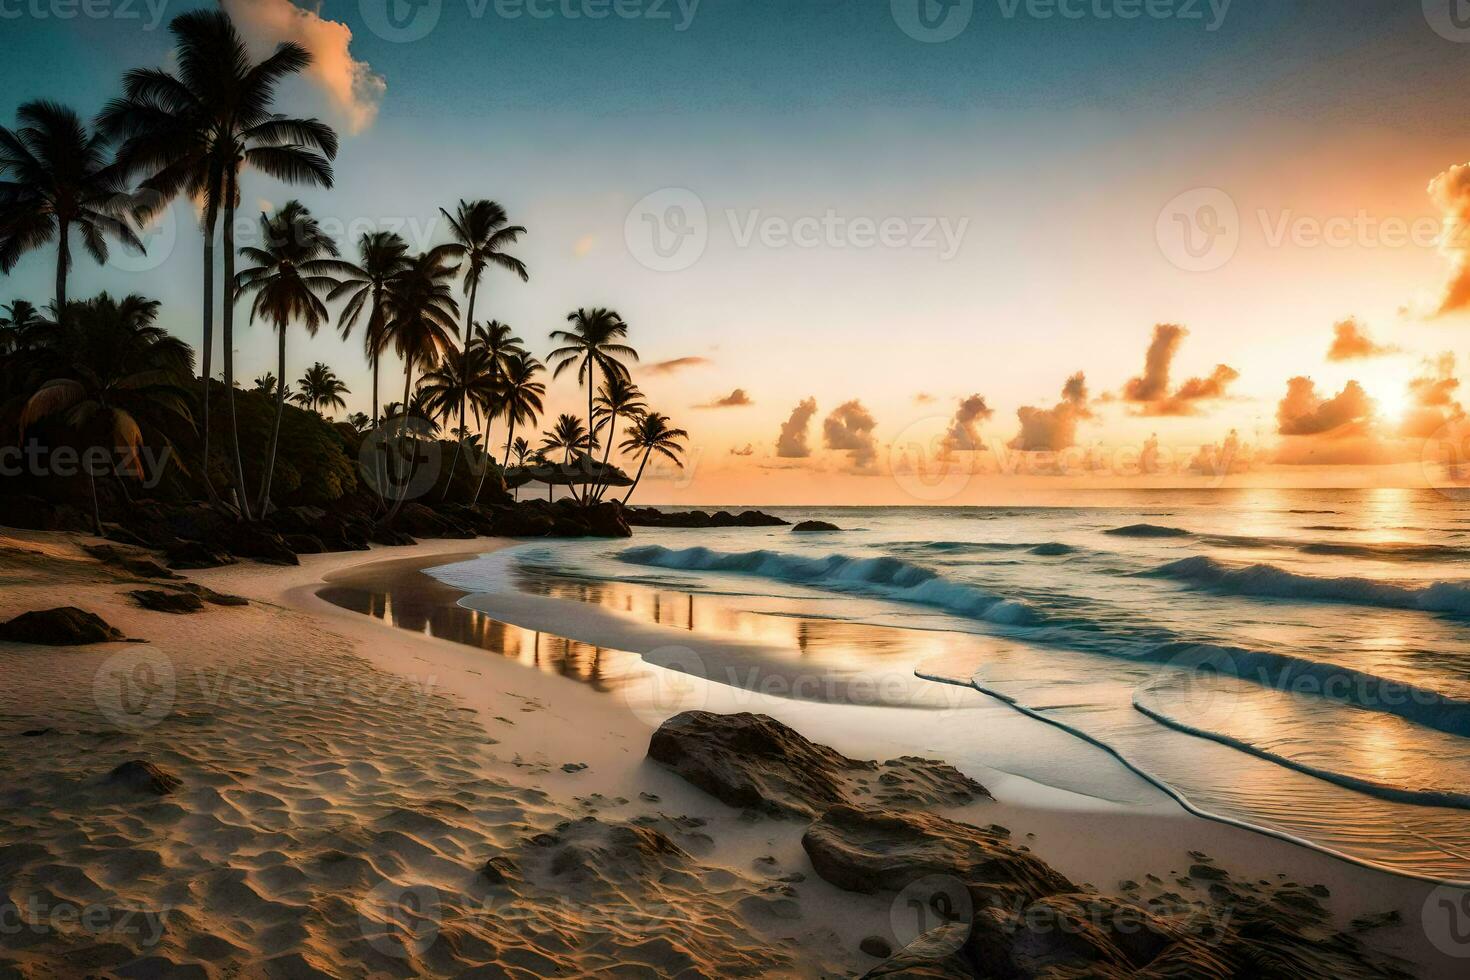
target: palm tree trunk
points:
(96, 511)
(612, 426)
(227, 337)
(489, 421)
(402, 496)
(63, 263)
(270, 460)
(211, 219)
(639, 476)
(586, 496)
(469, 325)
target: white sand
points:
(344, 781)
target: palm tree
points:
(266, 385)
(117, 379)
(569, 435)
(381, 256)
(192, 132)
(520, 403)
(297, 263)
(320, 387)
(480, 235)
(451, 384)
(496, 342)
(520, 450)
(619, 396)
(20, 327)
(57, 177)
(422, 320)
(359, 421)
(592, 344)
(651, 434)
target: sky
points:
(867, 248)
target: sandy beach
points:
(343, 785)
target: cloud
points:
(1432, 399)
(351, 86)
(964, 428)
(1302, 412)
(1053, 429)
(1351, 342)
(924, 398)
(735, 399)
(850, 429)
(676, 365)
(793, 443)
(1451, 192)
(1223, 458)
(1150, 390)
(746, 450)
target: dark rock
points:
(876, 946)
(521, 522)
(67, 626)
(36, 514)
(808, 527)
(500, 870)
(177, 603)
(195, 554)
(37, 732)
(421, 521)
(755, 762)
(390, 537)
(120, 534)
(651, 517)
(938, 954)
(136, 564)
(870, 849)
(144, 777)
(257, 541)
(304, 544)
(212, 597)
(605, 520)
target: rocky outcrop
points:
(755, 762)
(132, 562)
(814, 527)
(938, 954)
(649, 517)
(63, 627)
(177, 603)
(144, 777)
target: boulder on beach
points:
(814, 527)
(652, 517)
(938, 954)
(177, 603)
(144, 777)
(755, 762)
(63, 627)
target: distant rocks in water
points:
(1052, 548)
(755, 762)
(649, 517)
(810, 527)
(177, 603)
(144, 777)
(1148, 531)
(63, 627)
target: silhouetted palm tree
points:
(446, 389)
(499, 346)
(20, 327)
(592, 343)
(194, 130)
(116, 381)
(520, 449)
(321, 388)
(360, 421)
(294, 269)
(381, 255)
(481, 234)
(619, 396)
(651, 434)
(568, 435)
(520, 402)
(266, 385)
(56, 178)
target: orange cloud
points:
(1350, 342)
(1053, 429)
(964, 428)
(352, 87)
(850, 429)
(1302, 412)
(793, 442)
(1432, 396)
(1150, 390)
(735, 399)
(1451, 192)
(675, 365)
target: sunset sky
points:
(876, 248)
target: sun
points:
(1391, 397)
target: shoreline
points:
(607, 737)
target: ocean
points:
(1293, 660)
